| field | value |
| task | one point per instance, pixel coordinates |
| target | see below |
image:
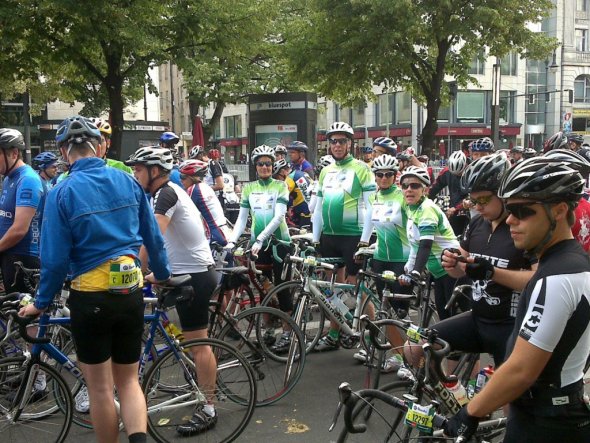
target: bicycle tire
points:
(276, 373)
(232, 309)
(235, 392)
(51, 414)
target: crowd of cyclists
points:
(513, 224)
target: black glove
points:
(461, 424)
(480, 269)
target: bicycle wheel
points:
(311, 317)
(276, 371)
(47, 415)
(172, 393)
(240, 298)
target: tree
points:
(341, 48)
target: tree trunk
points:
(115, 91)
(209, 128)
(430, 126)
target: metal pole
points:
(496, 75)
(27, 126)
(387, 116)
(172, 116)
(145, 106)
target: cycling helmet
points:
(324, 161)
(403, 157)
(169, 137)
(342, 127)
(278, 165)
(103, 126)
(195, 150)
(45, 159)
(585, 152)
(280, 149)
(423, 159)
(152, 156)
(543, 179)
(529, 153)
(484, 174)
(517, 150)
(576, 138)
(214, 154)
(556, 141)
(192, 168)
(297, 146)
(420, 173)
(366, 149)
(385, 162)
(457, 162)
(263, 150)
(386, 143)
(11, 138)
(77, 129)
(572, 158)
(410, 151)
(484, 144)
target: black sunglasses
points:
(412, 186)
(267, 164)
(521, 211)
(388, 174)
(340, 141)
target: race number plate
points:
(123, 278)
(420, 417)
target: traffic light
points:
(570, 93)
(419, 139)
(532, 99)
(453, 90)
(547, 97)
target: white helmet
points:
(414, 171)
(194, 152)
(457, 162)
(385, 162)
(340, 127)
(263, 150)
(152, 156)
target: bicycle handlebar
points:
(459, 290)
(22, 323)
(309, 261)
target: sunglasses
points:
(413, 186)
(338, 141)
(521, 211)
(384, 174)
(267, 164)
(482, 201)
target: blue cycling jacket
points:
(97, 214)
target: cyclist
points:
(47, 165)
(324, 161)
(516, 154)
(451, 178)
(386, 214)
(95, 222)
(215, 155)
(169, 140)
(214, 176)
(297, 153)
(21, 209)
(543, 375)
(280, 152)
(481, 147)
(495, 266)
(343, 194)
(429, 232)
(575, 141)
(299, 185)
(265, 201)
(105, 143)
(384, 145)
(188, 253)
(367, 155)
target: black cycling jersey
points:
(490, 299)
(453, 182)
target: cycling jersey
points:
(492, 300)
(208, 205)
(298, 184)
(304, 166)
(260, 198)
(186, 244)
(453, 182)
(389, 219)
(119, 165)
(341, 186)
(22, 188)
(213, 171)
(426, 221)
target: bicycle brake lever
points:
(336, 415)
(344, 393)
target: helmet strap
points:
(6, 163)
(552, 225)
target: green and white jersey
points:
(261, 197)
(426, 221)
(389, 220)
(341, 186)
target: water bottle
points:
(483, 377)
(471, 388)
(339, 305)
(458, 391)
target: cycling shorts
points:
(192, 302)
(379, 266)
(344, 246)
(106, 325)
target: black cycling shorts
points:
(106, 325)
(344, 246)
(394, 286)
(192, 302)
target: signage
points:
(273, 135)
(272, 106)
(581, 112)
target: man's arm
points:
(218, 184)
(163, 223)
(513, 279)
(22, 222)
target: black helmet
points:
(11, 138)
(576, 138)
(484, 174)
(573, 159)
(543, 179)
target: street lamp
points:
(496, 76)
(553, 69)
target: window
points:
(233, 126)
(582, 89)
(385, 107)
(470, 107)
(217, 132)
(536, 82)
(506, 107)
(342, 114)
(322, 116)
(403, 107)
(582, 5)
(358, 116)
(581, 40)
(509, 64)
(478, 64)
(443, 114)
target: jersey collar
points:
(345, 160)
